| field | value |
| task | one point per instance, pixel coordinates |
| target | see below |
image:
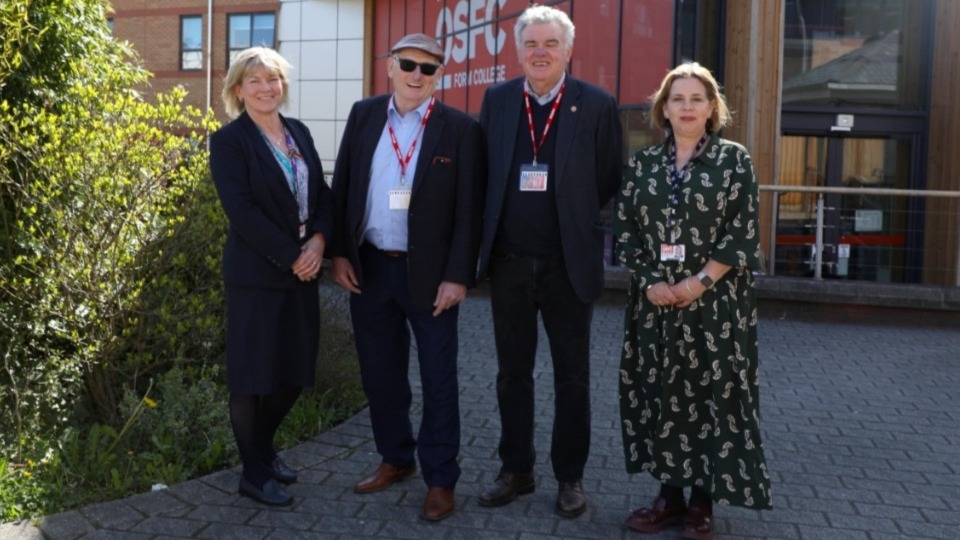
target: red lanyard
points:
(404, 161)
(546, 127)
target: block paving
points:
(860, 418)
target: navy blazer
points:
(263, 241)
(443, 221)
(587, 171)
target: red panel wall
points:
(477, 37)
(646, 47)
(595, 47)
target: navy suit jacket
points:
(587, 171)
(443, 221)
(263, 241)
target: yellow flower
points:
(149, 402)
(31, 464)
(27, 474)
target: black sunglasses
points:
(408, 65)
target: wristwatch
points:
(705, 279)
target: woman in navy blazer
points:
(270, 182)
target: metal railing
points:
(820, 208)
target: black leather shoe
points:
(271, 493)
(571, 502)
(281, 472)
(506, 488)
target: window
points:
(700, 35)
(250, 30)
(110, 25)
(191, 42)
(844, 53)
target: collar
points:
(421, 110)
(548, 97)
(710, 156)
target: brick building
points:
(181, 44)
(171, 36)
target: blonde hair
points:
(246, 61)
(721, 113)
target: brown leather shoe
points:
(571, 502)
(506, 488)
(438, 504)
(698, 524)
(382, 478)
(656, 517)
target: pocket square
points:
(442, 160)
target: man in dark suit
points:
(554, 153)
(408, 196)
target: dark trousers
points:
(522, 286)
(381, 314)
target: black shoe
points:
(271, 493)
(506, 488)
(571, 502)
(281, 472)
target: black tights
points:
(255, 420)
(674, 496)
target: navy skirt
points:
(273, 338)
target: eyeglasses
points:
(408, 65)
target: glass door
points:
(866, 234)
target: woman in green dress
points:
(686, 225)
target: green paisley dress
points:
(689, 399)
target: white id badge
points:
(533, 177)
(671, 252)
(399, 199)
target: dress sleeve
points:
(739, 244)
(633, 249)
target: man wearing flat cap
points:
(408, 192)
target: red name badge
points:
(671, 252)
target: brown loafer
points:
(656, 517)
(382, 478)
(438, 504)
(698, 524)
(506, 488)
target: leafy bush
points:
(91, 192)
(184, 430)
(49, 46)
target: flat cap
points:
(423, 42)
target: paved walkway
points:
(861, 426)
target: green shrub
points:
(184, 430)
(91, 192)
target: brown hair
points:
(721, 113)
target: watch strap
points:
(705, 279)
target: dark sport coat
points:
(263, 241)
(587, 172)
(443, 221)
